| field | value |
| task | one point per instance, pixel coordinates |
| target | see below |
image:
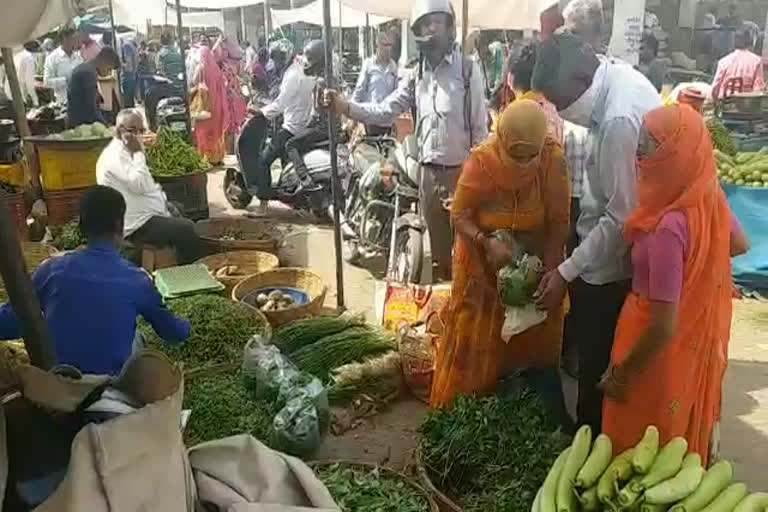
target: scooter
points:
(164, 104)
(250, 150)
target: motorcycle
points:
(381, 215)
(164, 105)
(250, 149)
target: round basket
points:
(230, 268)
(444, 502)
(433, 505)
(233, 234)
(34, 254)
(298, 278)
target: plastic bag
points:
(266, 370)
(517, 320)
(296, 428)
(199, 107)
(309, 387)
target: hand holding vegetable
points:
(497, 254)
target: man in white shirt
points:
(123, 166)
(26, 61)
(295, 104)
(60, 64)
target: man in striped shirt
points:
(741, 63)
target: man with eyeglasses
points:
(377, 80)
(123, 166)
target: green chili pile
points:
(358, 489)
(222, 406)
(721, 137)
(171, 155)
(491, 454)
(220, 330)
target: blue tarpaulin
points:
(750, 205)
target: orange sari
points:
(680, 390)
(533, 201)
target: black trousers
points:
(174, 232)
(569, 337)
(296, 146)
(594, 313)
(262, 181)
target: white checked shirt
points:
(576, 145)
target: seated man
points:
(123, 166)
(91, 297)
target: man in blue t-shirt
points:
(91, 297)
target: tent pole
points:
(37, 339)
(335, 184)
(267, 20)
(464, 24)
(184, 78)
(112, 25)
(341, 38)
(368, 36)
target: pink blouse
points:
(658, 258)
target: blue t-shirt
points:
(90, 299)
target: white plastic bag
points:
(517, 320)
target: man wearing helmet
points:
(447, 93)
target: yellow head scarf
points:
(523, 123)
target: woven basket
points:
(417, 353)
(298, 278)
(433, 506)
(34, 254)
(445, 503)
(232, 267)
(261, 236)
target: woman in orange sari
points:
(517, 181)
(670, 350)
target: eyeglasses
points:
(133, 130)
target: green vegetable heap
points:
(357, 489)
(744, 169)
(721, 137)
(68, 237)
(220, 330)
(87, 131)
(170, 155)
(491, 454)
(518, 282)
(647, 478)
(222, 406)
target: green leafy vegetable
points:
(171, 155)
(220, 330)
(358, 489)
(721, 137)
(491, 454)
(68, 237)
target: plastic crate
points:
(66, 165)
(18, 212)
(173, 282)
(190, 192)
(63, 205)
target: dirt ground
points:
(391, 436)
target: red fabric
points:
(229, 56)
(209, 134)
(680, 389)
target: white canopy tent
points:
(135, 13)
(341, 15)
(28, 19)
(483, 14)
(218, 4)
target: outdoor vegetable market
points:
(367, 256)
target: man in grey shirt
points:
(447, 91)
(610, 98)
(377, 80)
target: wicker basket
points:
(417, 353)
(232, 267)
(445, 503)
(34, 254)
(298, 278)
(63, 205)
(18, 212)
(433, 506)
(263, 238)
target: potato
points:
(276, 295)
(262, 299)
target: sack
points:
(199, 107)
(520, 319)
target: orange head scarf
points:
(522, 125)
(679, 175)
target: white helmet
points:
(422, 8)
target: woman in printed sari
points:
(517, 181)
(209, 81)
(229, 55)
(671, 344)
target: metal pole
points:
(341, 36)
(244, 35)
(368, 36)
(267, 20)
(335, 184)
(184, 83)
(464, 24)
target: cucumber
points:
(618, 471)
(536, 501)
(755, 502)
(650, 507)
(596, 464)
(589, 500)
(631, 492)
(677, 488)
(715, 480)
(691, 460)
(646, 450)
(667, 463)
(576, 458)
(549, 489)
(728, 499)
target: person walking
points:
(516, 181)
(671, 346)
(610, 98)
(130, 69)
(209, 80)
(377, 80)
(447, 91)
(229, 56)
